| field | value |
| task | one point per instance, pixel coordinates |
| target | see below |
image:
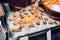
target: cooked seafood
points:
(49, 3)
(44, 22)
(28, 18)
(50, 22)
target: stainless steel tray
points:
(7, 11)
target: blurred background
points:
(3, 1)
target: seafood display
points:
(49, 3)
(52, 4)
(28, 18)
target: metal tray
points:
(7, 11)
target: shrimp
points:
(10, 19)
(49, 3)
(53, 1)
(58, 2)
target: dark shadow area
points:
(2, 1)
(39, 37)
(56, 34)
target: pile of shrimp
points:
(49, 3)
